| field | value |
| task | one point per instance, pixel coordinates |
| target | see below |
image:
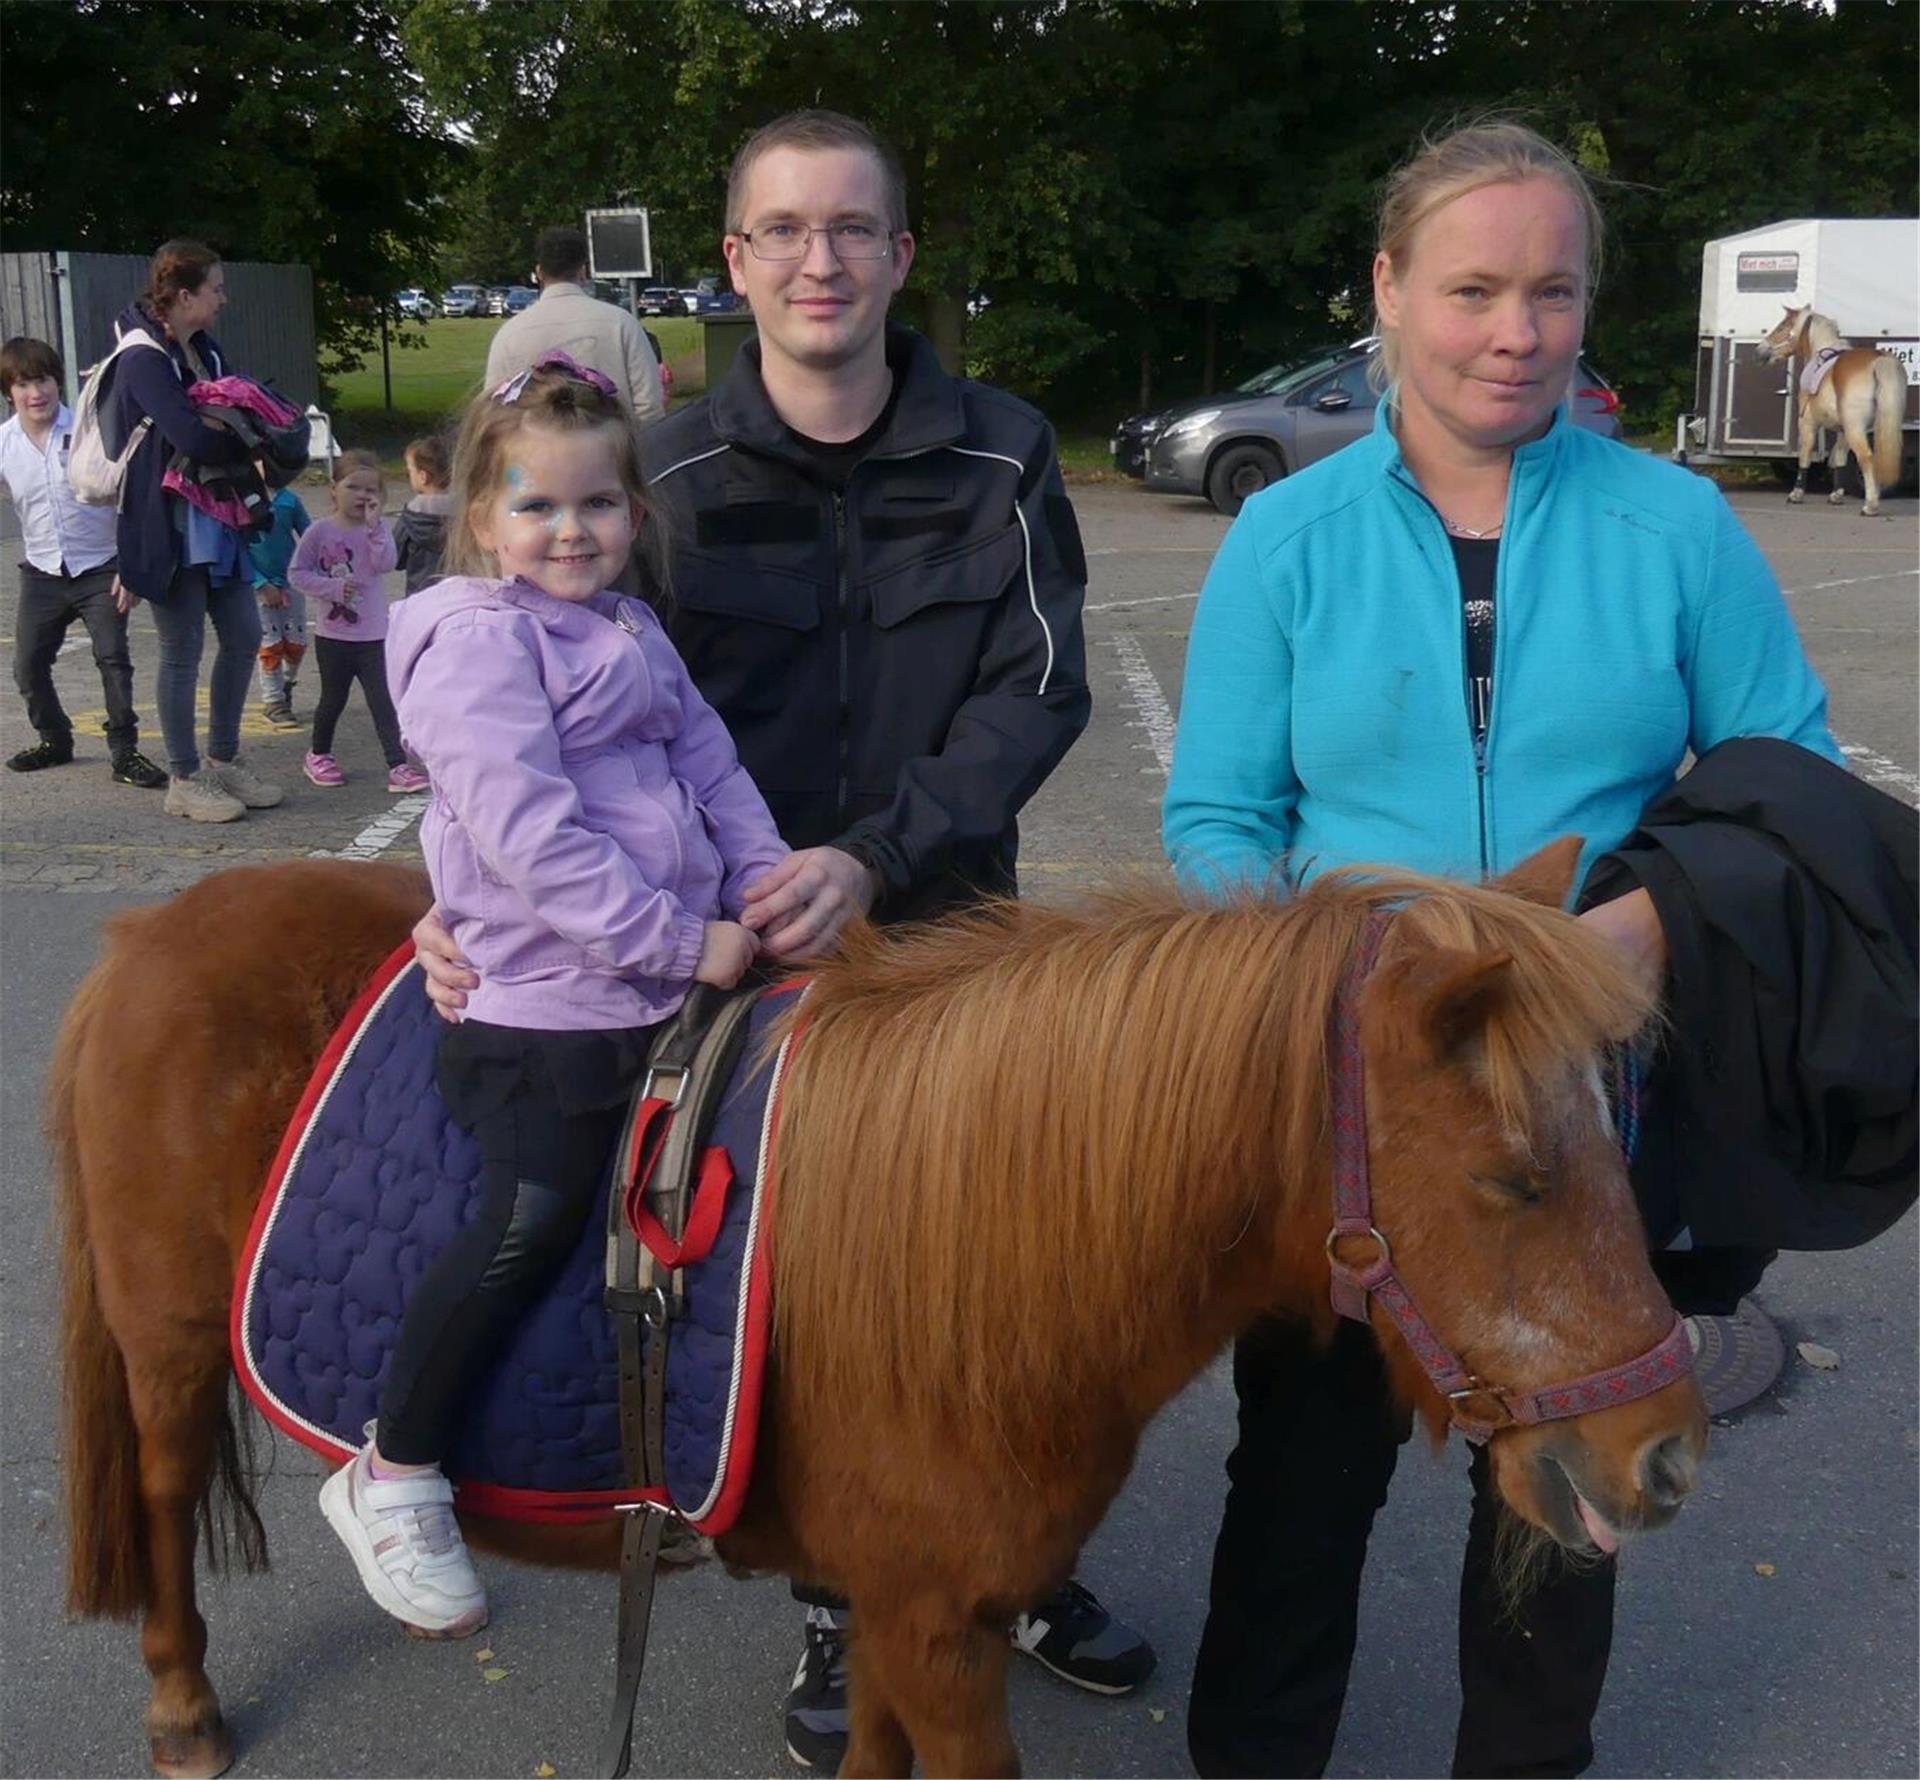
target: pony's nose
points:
(1668, 1472)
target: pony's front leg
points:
(178, 1415)
(943, 1678)
(1836, 465)
(877, 1742)
(1798, 492)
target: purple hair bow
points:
(563, 362)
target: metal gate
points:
(70, 300)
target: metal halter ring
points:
(1337, 1234)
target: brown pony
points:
(1863, 390)
(1115, 1117)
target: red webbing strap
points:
(645, 1137)
(1669, 1359)
(703, 1218)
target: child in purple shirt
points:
(591, 840)
(337, 565)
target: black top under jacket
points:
(899, 658)
(1782, 1107)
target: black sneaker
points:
(1081, 1642)
(42, 753)
(134, 768)
(817, 1701)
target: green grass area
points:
(441, 365)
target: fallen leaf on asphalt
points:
(1157, 1713)
(1763, 1570)
(492, 1675)
(545, 1771)
(1824, 1358)
(483, 1656)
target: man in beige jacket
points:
(565, 317)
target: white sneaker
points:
(202, 798)
(407, 1546)
(239, 780)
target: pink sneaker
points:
(324, 770)
(406, 777)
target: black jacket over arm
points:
(1781, 1113)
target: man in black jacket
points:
(878, 582)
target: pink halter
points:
(1670, 1358)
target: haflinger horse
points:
(1857, 391)
(1036, 1166)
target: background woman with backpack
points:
(189, 566)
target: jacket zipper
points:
(840, 576)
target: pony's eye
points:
(1520, 1187)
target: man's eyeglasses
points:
(851, 240)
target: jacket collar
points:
(926, 412)
(1533, 463)
(560, 287)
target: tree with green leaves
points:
(281, 130)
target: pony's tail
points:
(1889, 416)
(106, 1555)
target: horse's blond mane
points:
(1131, 1083)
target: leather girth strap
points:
(689, 1067)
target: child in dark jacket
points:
(420, 532)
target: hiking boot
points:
(131, 767)
(202, 798)
(406, 1545)
(817, 1701)
(44, 752)
(406, 777)
(323, 770)
(280, 716)
(1080, 1641)
(241, 781)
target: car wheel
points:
(1239, 473)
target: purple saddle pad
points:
(373, 1179)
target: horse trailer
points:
(1862, 274)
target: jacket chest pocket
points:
(970, 576)
(715, 587)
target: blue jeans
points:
(181, 620)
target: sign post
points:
(619, 245)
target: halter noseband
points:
(1479, 1409)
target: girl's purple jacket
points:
(589, 814)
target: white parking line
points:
(1152, 713)
(1877, 769)
(1855, 581)
(382, 832)
(1152, 599)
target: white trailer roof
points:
(1863, 272)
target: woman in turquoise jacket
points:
(1472, 632)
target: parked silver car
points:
(1230, 446)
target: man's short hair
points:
(560, 252)
(813, 131)
(24, 358)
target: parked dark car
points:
(1132, 436)
(520, 297)
(711, 296)
(1230, 446)
(659, 299)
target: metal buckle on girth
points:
(678, 1074)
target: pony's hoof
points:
(192, 1755)
(1837, 498)
(1795, 496)
(1869, 512)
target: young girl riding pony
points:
(591, 839)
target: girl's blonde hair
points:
(563, 404)
(1490, 151)
(349, 461)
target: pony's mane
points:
(1127, 1082)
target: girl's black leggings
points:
(546, 1108)
(342, 663)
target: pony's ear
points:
(1450, 994)
(1546, 876)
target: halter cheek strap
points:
(1479, 1409)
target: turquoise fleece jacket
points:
(1324, 720)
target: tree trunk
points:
(947, 326)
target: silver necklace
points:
(1467, 531)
